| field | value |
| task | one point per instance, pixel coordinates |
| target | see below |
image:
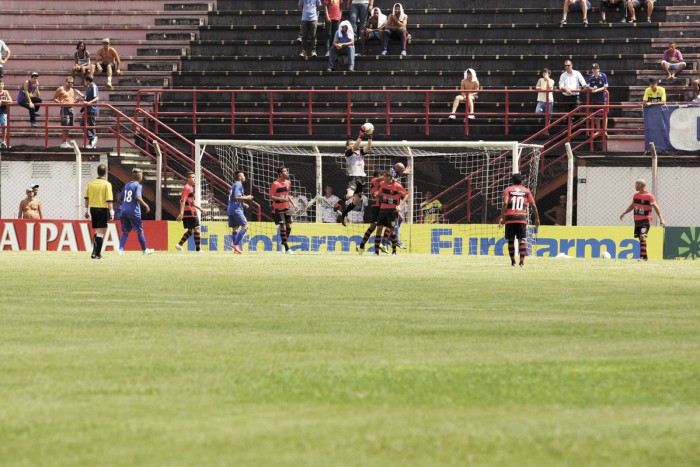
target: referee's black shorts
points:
(99, 217)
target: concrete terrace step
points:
(66, 47)
(452, 31)
(81, 6)
(95, 33)
(102, 17)
(418, 46)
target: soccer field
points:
(332, 359)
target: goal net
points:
(455, 191)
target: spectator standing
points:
(82, 66)
(328, 202)
(358, 12)
(300, 204)
(99, 206)
(557, 214)
(309, 23)
(469, 83)
(598, 84)
(108, 60)
(29, 97)
(642, 204)
(545, 98)
(132, 201)
(634, 4)
(672, 61)
(68, 95)
(373, 28)
(343, 44)
(5, 98)
(654, 94)
(30, 207)
(576, 5)
(430, 209)
(571, 82)
(334, 14)
(92, 96)
(395, 27)
(4, 50)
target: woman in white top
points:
(545, 99)
(82, 66)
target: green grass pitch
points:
(317, 360)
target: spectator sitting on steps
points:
(108, 60)
(469, 83)
(633, 4)
(343, 44)
(575, 5)
(696, 88)
(672, 61)
(395, 27)
(373, 28)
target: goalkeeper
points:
(355, 157)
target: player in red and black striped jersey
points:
(188, 214)
(516, 200)
(642, 204)
(279, 195)
(392, 197)
(374, 194)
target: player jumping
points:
(355, 157)
(516, 199)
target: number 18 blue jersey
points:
(129, 196)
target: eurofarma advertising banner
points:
(436, 239)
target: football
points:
(605, 255)
(368, 128)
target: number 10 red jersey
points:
(518, 197)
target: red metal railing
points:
(234, 110)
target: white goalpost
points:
(455, 190)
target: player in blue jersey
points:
(131, 212)
(236, 217)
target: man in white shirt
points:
(571, 82)
(328, 203)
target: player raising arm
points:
(516, 199)
(279, 195)
(188, 215)
(355, 157)
(642, 203)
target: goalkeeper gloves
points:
(362, 134)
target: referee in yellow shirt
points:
(99, 206)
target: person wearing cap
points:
(5, 98)
(30, 207)
(132, 201)
(92, 96)
(67, 94)
(654, 94)
(598, 84)
(108, 60)
(29, 96)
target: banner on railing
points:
(672, 127)
(60, 235)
